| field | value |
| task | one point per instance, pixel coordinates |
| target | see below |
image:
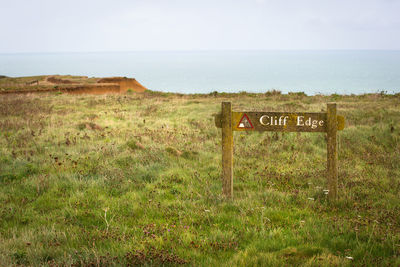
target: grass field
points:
(135, 180)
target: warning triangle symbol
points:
(245, 123)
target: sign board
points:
(280, 121)
(327, 122)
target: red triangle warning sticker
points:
(245, 123)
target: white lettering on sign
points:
(267, 120)
(273, 120)
(309, 122)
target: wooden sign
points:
(280, 121)
(327, 122)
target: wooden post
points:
(332, 156)
(227, 149)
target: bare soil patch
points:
(69, 84)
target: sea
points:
(309, 71)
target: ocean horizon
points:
(309, 71)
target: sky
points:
(137, 25)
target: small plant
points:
(105, 218)
(300, 94)
(132, 144)
(20, 257)
(214, 93)
(173, 151)
(273, 92)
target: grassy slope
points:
(146, 188)
(21, 83)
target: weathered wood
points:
(340, 122)
(217, 120)
(227, 149)
(332, 156)
(281, 121)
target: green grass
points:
(135, 180)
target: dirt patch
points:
(124, 83)
(80, 89)
(70, 84)
(55, 80)
(131, 84)
(112, 79)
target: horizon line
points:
(196, 50)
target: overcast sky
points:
(130, 25)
